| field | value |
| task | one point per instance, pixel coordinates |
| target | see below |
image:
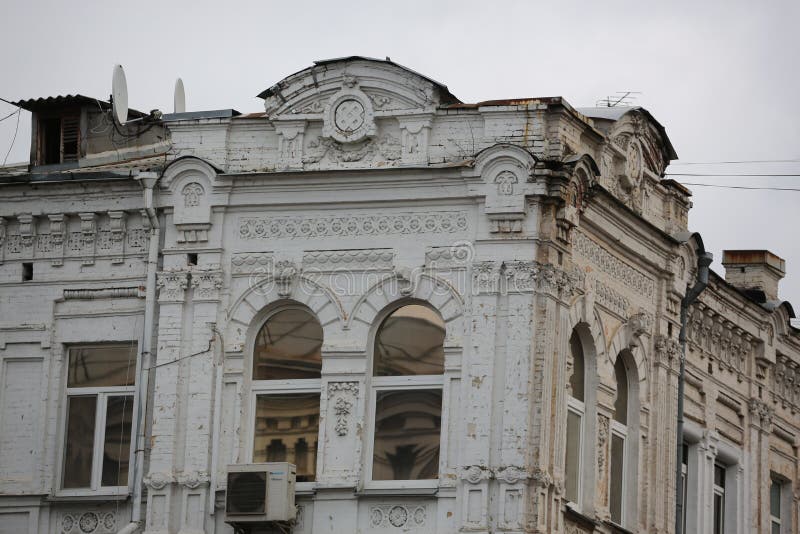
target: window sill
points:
(90, 496)
(617, 529)
(398, 491)
(576, 516)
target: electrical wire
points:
(10, 114)
(735, 162)
(743, 187)
(755, 175)
(16, 129)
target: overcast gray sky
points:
(721, 76)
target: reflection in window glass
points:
(410, 342)
(288, 346)
(286, 430)
(102, 366)
(616, 475)
(407, 429)
(621, 402)
(117, 443)
(80, 441)
(573, 462)
(775, 506)
(576, 380)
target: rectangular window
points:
(572, 466)
(286, 430)
(719, 499)
(684, 483)
(59, 139)
(100, 388)
(617, 476)
(775, 507)
(407, 428)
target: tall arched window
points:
(407, 371)
(619, 466)
(287, 362)
(576, 413)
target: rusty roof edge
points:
(35, 104)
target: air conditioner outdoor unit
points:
(260, 493)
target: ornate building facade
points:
(450, 317)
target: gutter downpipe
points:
(148, 181)
(704, 259)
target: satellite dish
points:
(180, 97)
(119, 95)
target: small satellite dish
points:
(119, 95)
(180, 97)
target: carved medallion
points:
(349, 116)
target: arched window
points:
(287, 362)
(407, 369)
(621, 463)
(576, 413)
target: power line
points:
(730, 175)
(731, 162)
(10, 114)
(16, 129)
(744, 187)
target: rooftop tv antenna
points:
(620, 98)
(180, 97)
(119, 95)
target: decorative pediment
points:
(380, 85)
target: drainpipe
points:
(148, 181)
(703, 261)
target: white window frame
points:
(101, 395)
(401, 383)
(621, 431)
(282, 387)
(579, 408)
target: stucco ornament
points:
(193, 479)
(284, 274)
(475, 473)
(511, 474)
(191, 194)
(158, 480)
(349, 116)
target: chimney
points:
(754, 270)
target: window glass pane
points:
(621, 402)
(286, 430)
(102, 366)
(288, 346)
(775, 499)
(410, 342)
(573, 460)
(117, 444)
(776, 528)
(719, 476)
(80, 441)
(577, 378)
(407, 429)
(616, 475)
(719, 510)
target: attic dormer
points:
(67, 131)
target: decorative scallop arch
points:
(263, 294)
(582, 312)
(623, 341)
(399, 287)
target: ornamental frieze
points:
(355, 225)
(631, 277)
